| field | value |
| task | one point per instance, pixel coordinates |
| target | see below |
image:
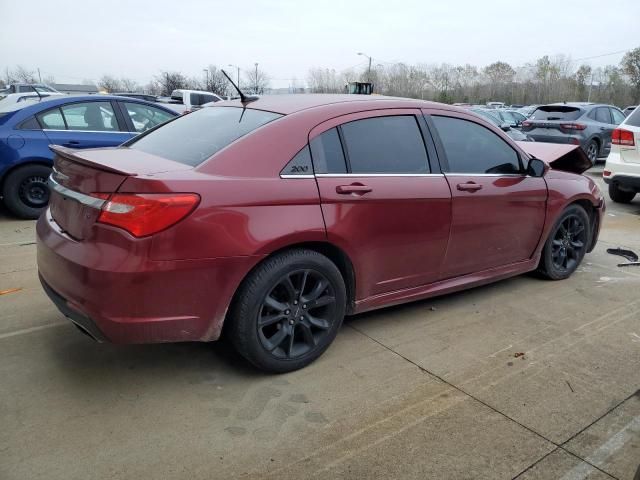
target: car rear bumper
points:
(135, 300)
(624, 174)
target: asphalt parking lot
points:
(524, 378)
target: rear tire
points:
(287, 311)
(566, 245)
(620, 196)
(25, 191)
(592, 151)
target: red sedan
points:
(275, 218)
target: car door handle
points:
(468, 187)
(72, 143)
(356, 188)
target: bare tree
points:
(216, 82)
(256, 80)
(110, 84)
(167, 82)
(630, 65)
(23, 75)
(129, 85)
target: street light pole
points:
(369, 70)
(206, 72)
(238, 69)
(256, 77)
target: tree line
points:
(548, 79)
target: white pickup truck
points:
(185, 101)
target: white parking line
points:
(604, 451)
(29, 330)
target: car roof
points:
(291, 103)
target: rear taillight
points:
(526, 123)
(143, 214)
(606, 173)
(573, 126)
(622, 137)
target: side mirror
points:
(536, 167)
(505, 126)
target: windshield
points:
(556, 112)
(488, 115)
(193, 138)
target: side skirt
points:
(445, 286)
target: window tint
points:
(556, 112)
(634, 118)
(471, 148)
(385, 145)
(327, 153)
(198, 99)
(618, 116)
(300, 164)
(91, 116)
(29, 124)
(603, 115)
(145, 117)
(193, 138)
(51, 119)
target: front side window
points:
(90, 116)
(471, 148)
(618, 116)
(145, 117)
(193, 138)
(385, 145)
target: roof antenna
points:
(243, 98)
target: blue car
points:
(77, 122)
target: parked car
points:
(622, 170)
(29, 97)
(528, 110)
(512, 117)
(27, 87)
(628, 110)
(275, 218)
(586, 124)
(186, 101)
(495, 105)
(27, 130)
(490, 115)
(140, 96)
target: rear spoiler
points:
(76, 156)
(568, 158)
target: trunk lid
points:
(569, 158)
(78, 175)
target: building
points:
(75, 88)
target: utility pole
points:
(39, 76)
(256, 78)
(206, 85)
(369, 70)
(590, 85)
(238, 69)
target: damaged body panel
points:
(568, 158)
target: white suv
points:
(622, 170)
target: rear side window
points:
(634, 118)
(385, 145)
(300, 164)
(472, 148)
(327, 153)
(90, 116)
(52, 120)
(29, 124)
(193, 138)
(603, 115)
(556, 112)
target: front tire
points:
(287, 311)
(620, 196)
(26, 192)
(566, 245)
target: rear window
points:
(634, 118)
(193, 138)
(556, 112)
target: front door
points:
(498, 212)
(381, 201)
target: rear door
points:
(498, 211)
(605, 126)
(383, 201)
(87, 124)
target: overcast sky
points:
(84, 39)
